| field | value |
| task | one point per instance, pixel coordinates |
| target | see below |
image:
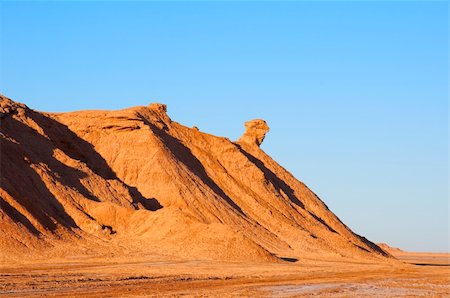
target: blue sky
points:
(355, 93)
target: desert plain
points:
(414, 275)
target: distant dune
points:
(111, 183)
(390, 249)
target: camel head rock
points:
(255, 131)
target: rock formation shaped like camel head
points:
(255, 132)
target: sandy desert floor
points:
(422, 275)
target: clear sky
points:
(355, 93)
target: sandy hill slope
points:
(392, 250)
(135, 182)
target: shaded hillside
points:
(134, 181)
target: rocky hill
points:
(135, 182)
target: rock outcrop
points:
(135, 182)
(255, 132)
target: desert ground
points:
(417, 275)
